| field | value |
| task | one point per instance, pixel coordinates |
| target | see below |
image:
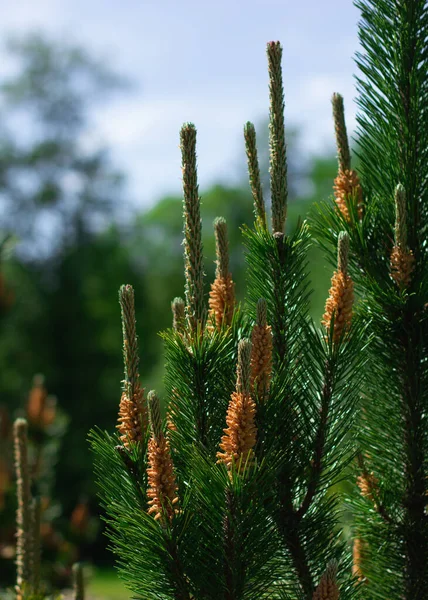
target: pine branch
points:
(230, 575)
(320, 440)
(133, 471)
(371, 491)
(279, 325)
(393, 128)
(289, 529)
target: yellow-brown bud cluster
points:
(327, 588)
(162, 487)
(368, 484)
(41, 408)
(359, 550)
(402, 258)
(240, 435)
(222, 300)
(132, 420)
(402, 264)
(348, 192)
(261, 353)
(339, 304)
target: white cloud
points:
(205, 65)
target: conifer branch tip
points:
(155, 415)
(342, 144)
(178, 314)
(130, 339)
(278, 150)
(254, 173)
(222, 294)
(193, 252)
(222, 247)
(343, 251)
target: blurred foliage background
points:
(71, 237)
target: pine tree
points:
(384, 211)
(231, 495)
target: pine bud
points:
(178, 314)
(155, 415)
(343, 153)
(348, 193)
(162, 487)
(240, 435)
(359, 550)
(37, 401)
(368, 484)
(327, 588)
(132, 419)
(341, 295)
(261, 354)
(254, 173)
(278, 151)
(343, 251)
(402, 259)
(222, 295)
(193, 251)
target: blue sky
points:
(203, 62)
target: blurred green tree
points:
(59, 194)
(57, 184)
